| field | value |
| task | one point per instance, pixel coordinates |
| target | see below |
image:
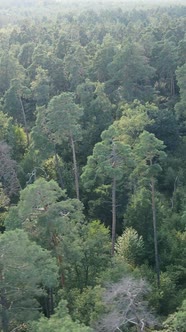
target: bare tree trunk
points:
(113, 213)
(25, 122)
(155, 232)
(75, 166)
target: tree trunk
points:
(113, 213)
(155, 232)
(75, 166)
(25, 122)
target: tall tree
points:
(98, 113)
(61, 124)
(108, 163)
(14, 103)
(148, 152)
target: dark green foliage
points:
(92, 106)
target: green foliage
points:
(4, 125)
(98, 113)
(134, 118)
(110, 158)
(76, 64)
(86, 305)
(8, 171)
(4, 203)
(59, 322)
(180, 106)
(148, 152)
(25, 270)
(108, 84)
(130, 247)
(40, 87)
(131, 72)
(62, 116)
(54, 224)
(38, 196)
(18, 141)
(176, 321)
(9, 70)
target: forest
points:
(92, 166)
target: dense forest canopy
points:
(92, 166)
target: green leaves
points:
(25, 270)
(130, 247)
(110, 157)
(131, 72)
(38, 197)
(176, 321)
(59, 322)
(148, 152)
(62, 116)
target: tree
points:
(165, 60)
(45, 214)
(4, 203)
(108, 162)
(25, 270)
(40, 86)
(180, 106)
(103, 57)
(38, 197)
(76, 65)
(61, 124)
(5, 123)
(59, 322)
(131, 74)
(25, 54)
(8, 171)
(97, 116)
(126, 306)
(54, 222)
(149, 151)
(176, 321)
(133, 119)
(130, 247)
(85, 305)
(9, 69)
(89, 257)
(14, 104)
